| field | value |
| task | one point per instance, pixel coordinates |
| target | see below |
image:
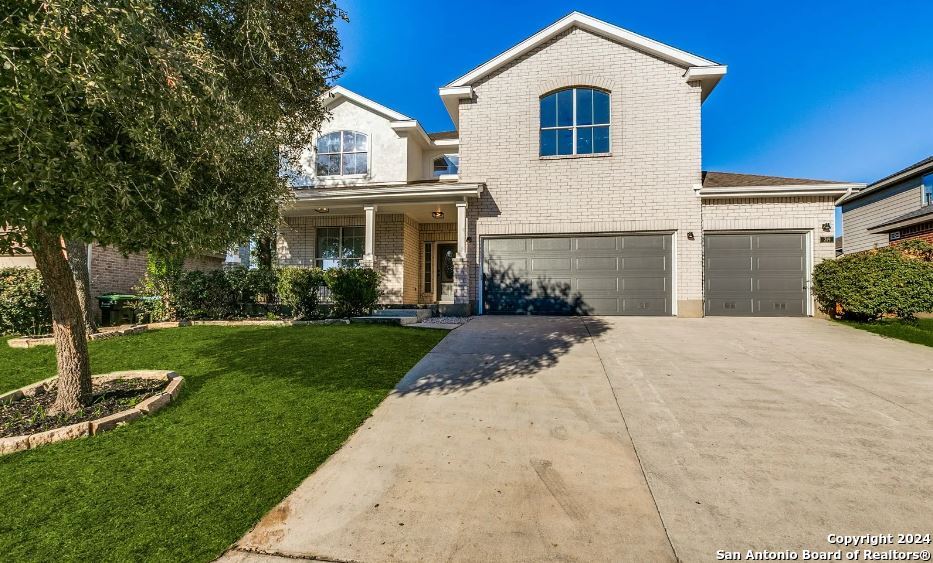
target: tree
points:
(150, 125)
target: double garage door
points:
(751, 274)
(580, 275)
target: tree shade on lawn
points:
(262, 407)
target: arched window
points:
(342, 153)
(575, 121)
(446, 164)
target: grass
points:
(919, 331)
(262, 407)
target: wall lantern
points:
(690, 235)
(437, 214)
(322, 210)
(827, 227)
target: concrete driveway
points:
(607, 439)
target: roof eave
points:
(805, 190)
(905, 175)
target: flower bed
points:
(118, 398)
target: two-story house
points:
(895, 208)
(572, 184)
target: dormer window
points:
(446, 164)
(575, 121)
(342, 153)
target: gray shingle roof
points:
(443, 135)
(734, 180)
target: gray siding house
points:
(896, 207)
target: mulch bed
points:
(28, 414)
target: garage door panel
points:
(494, 246)
(765, 277)
(598, 264)
(718, 264)
(597, 275)
(540, 265)
(779, 263)
(728, 242)
(774, 284)
(772, 241)
(598, 284)
(645, 284)
(644, 306)
(546, 244)
(610, 244)
(644, 242)
(781, 307)
(729, 284)
(644, 263)
(729, 306)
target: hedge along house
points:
(572, 184)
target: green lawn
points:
(262, 407)
(919, 331)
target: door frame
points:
(808, 261)
(435, 293)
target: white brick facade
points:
(646, 184)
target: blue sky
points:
(833, 90)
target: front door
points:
(445, 271)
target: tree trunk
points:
(264, 248)
(77, 259)
(74, 368)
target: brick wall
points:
(411, 258)
(797, 213)
(296, 246)
(646, 184)
(876, 208)
(112, 272)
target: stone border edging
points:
(12, 444)
(32, 341)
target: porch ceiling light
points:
(322, 209)
(437, 214)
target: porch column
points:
(461, 230)
(461, 268)
(369, 258)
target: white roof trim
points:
(338, 92)
(779, 191)
(411, 125)
(447, 142)
(588, 23)
(377, 194)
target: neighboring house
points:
(112, 272)
(572, 184)
(895, 208)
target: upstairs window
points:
(446, 164)
(342, 153)
(928, 189)
(575, 121)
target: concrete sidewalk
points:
(505, 443)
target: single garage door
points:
(578, 275)
(756, 274)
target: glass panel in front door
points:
(445, 271)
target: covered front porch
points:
(415, 235)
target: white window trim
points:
(446, 172)
(573, 128)
(924, 187)
(369, 155)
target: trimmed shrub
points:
(895, 280)
(24, 304)
(354, 290)
(299, 289)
